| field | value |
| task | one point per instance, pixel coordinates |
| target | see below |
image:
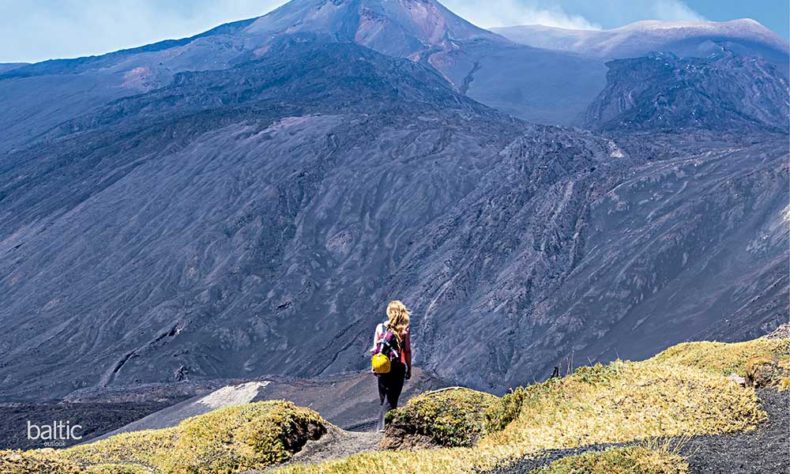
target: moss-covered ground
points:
(630, 460)
(449, 417)
(682, 392)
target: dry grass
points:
(682, 392)
(430, 461)
(723, 358)
(629, 401)
(630, 460)
(450, 418)
(641, 460)
(140, 450)
(117, 469)
(41, 460)
(231, 439)
(619, 402)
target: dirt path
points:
(335, 444)
(762, 451)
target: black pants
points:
(390, 386)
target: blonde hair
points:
(398, 317)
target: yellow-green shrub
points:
(509, 407)
(632, 460)
(117, 469)
(628, 401)
(501, 414)
(725, 358)
(763, 372)
(136, 449)
(682, 392)
(619, 402)
(451, 417)
(231, 439)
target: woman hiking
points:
(392, 357)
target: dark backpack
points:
(389, 345)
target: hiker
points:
(391, 360)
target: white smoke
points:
(493, 13)
(673, 10)
(570, 14)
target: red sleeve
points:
(407, 349)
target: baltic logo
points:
(55, 434)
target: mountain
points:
(724, 91)
(684, 38)
(238, 218)
(243, 203)
(527, 82)
(418, 29)
(543, 75)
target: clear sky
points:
(35, 30)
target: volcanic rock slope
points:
(243, 211)
(724, 91)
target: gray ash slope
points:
(252, 219)
(231, 234)
(662, 91)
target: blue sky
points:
(35, 30)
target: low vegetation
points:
(501, 414)
(727, 358)
(41, 460)
(629, 460)
(680, 393)
(232, 439)
(684, 391)
(116, 469)
(619, 461)
(626, 401)
(449, 417)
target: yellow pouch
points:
(380, 364)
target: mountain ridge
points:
(540, 85)
(480, 64)
(642, 37)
